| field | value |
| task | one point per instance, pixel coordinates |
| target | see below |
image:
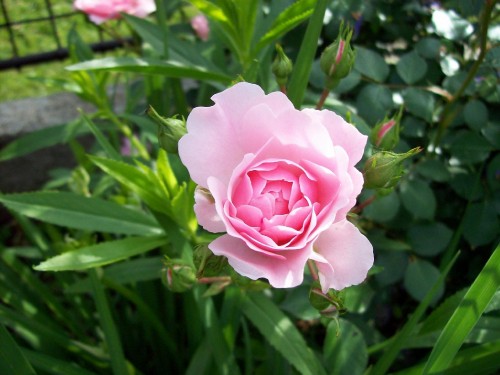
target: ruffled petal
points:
(205, 211)
(343, 256)
(342, 133)
(283, 270)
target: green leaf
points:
(397, 343)
(429, 47)
(127, 272)
(101, 254)
(418, 198)
(374, 102)
(344, 350)
(51, 365)
(303, 65)
(371, 64)
(420, 276)
(12, 360)
(465, 316)
(476, 114)
(429, 239)
(76, 211)
(289, 18)
(383, 209)
(42, 138)
(142, 65)
(281, 333)
(481, 224)
(101, 138)
(433, 169)
(142, 181)
(450, 25)
(420, 103)
(394, 265)
(411, 67)
(108, 326)
(470, 147)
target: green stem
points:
(111, 335)
(449, 111)
(127, 132)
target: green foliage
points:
(116, 217)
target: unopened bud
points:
(282, 66)
(170, 130)
(385, 135)
(338, 58)
(177, 275)
(384, 169)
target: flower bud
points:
(338, 58)
(282, 66)
(385, 135)
(384, 169)
(170, 130)
(177, 275)
(200, 26)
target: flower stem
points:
(312, 269)
(214, 279)
(361, 206)
(322, 99)
(449, 111)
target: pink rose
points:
(200, 25)
(100, 10)
(280, 183)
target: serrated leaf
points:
(281, 333)
(420, 103)
(429, 239)
(470, 147)
(418, 198)
(383, 209)
(420, 276)
(289, 18)
(76, 211)
(481, 224)
(101, 254)
(411, 67)
(374, 102)
(371, 64)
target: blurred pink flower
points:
(280, 183)
(103, 10)
(200, 25)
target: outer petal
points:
(342, 133)
(206, 213)
(343, 256)
(283, 270)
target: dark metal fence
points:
(49, 45)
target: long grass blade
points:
(12, 360)
(465, 316)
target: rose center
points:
(275, 199)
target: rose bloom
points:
(200, 25)
(103, 10)
(279, 182)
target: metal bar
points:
(8, 24)
(53, 24)
(30, 20)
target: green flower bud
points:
(170, 130)
(384, 169)
(338, 58)
(177, 275)
(385, 135)
(282, 66)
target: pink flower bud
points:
(385, 135)
(200, 25)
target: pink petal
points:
(206, 214)
(342, 133)
(343, 256)
(285, 270)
